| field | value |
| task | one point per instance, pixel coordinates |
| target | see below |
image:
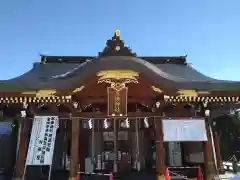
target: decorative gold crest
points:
(41, 93)
(78, 89)
(156, 89)
(117, 93)
(118, 78)
(191, 93)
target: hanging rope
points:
(113, 117)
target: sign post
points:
(42, 141)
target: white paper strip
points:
(184, 130)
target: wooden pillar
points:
(74, 161)
(218, 153)
(116, 130)
(23, 147)
(208, 156)
(130, 142)
(100, 127)
(160, 151)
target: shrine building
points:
(118, 112)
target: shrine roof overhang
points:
(72, 75)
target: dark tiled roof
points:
(81, 59)
(60, 72)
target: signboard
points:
(184, 130)
(42, 141)
(175, 154)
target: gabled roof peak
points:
(116, 47)
(180, 60)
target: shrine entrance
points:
(121, 145)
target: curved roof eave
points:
(78, 75)
(75, 75)
(157, 75)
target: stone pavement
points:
(64, 176)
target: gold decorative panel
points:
(117, 92)
(118, 78)
(183, 92)
(78, 89)
(41, 93)
(156, 89)
(117, 101)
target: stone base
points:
(162, 177)
(221, 171)
(210, 176)
(72, 178)
(17, 178)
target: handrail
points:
(232, 157)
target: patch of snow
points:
(71, 71)
(228, 175)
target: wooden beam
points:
(208, 156)
(160, 151)
(74, 162)
(218, 153)
(23, 147)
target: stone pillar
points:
(74, 161)
(208, 156)
(218, 153)
(160, 151)
(23, 147)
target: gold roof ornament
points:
(41, 93)
(156, 89)
(191, 93)
(117, 33)
(78, 89)
(117, 48)
(46, 93)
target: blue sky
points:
(207, 30)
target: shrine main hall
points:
(118, 112)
